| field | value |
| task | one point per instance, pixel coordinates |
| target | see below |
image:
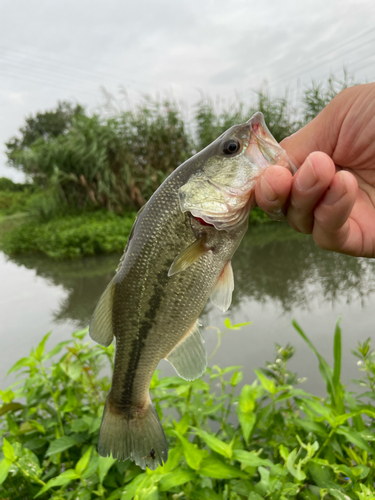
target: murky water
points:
(279, 275)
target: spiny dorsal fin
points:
(188, 256)
(101, 329)
(221, 295)
(189, 357)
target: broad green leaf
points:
(55, 350)
(92, 467)
(251, 459)
(8, 450)
(183, 425)
(105, 463)
(292, 468)
(175, 478)
(248, 397)
(83, 462)
(214, 443)
(20, 364)
(263, 486)
(205, 494)
(61, 480)
(247, 421)
(254, 496)
(355, 438)
(10, 407)
(236, 378)
(193, 455)
(80, 334)
(131, 488)
(4, 469)
(61, 444)
(361, 471)
(40, 349)
(267, 383)
(217, 469)
(338, 494)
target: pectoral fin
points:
(188, 256)
(189, 357)
(101, 329)
(221, 295)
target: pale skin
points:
(332, 195)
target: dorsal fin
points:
(221, 295)
(189, 357)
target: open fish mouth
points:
(222, 192)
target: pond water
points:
(279, 275)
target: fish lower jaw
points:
(225, 221)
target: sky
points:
(70, 50)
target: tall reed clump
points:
(112, 162)
(116, 162)
(228, 439)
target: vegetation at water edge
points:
(229, 439)
(115, 159)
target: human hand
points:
(332, 195)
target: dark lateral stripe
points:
(139, 342)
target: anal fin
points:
(189, 357)
(188, 256)
(221, 295)
(101, 329)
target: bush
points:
(112, 162)
(273, 440)
(91, 233)
(17, 201)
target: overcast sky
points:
(66, 50)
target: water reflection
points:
(84, 280)
(276, 263)
(273, 263)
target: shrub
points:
(272, 440)
(91, 233)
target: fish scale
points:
(177, 256)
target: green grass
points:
(91, 233)
(72, 236)
(229, 439)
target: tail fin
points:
(138, 436)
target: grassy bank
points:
(268, 440)
(90, 233)
(71, 236)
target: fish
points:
(178, 256)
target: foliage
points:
(91, 233)
(117, 161)
(72, 235)
(44, 125)
(318, 95)
(111, 162)
(8, 185)
(213, 119)
(272, 440)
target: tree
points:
(46, 125)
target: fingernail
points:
(267, 191)
(336, 192)
(306, 177)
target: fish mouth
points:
(263, 149)
(227, 206)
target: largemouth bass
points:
(177, 257)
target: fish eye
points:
(230, 147)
